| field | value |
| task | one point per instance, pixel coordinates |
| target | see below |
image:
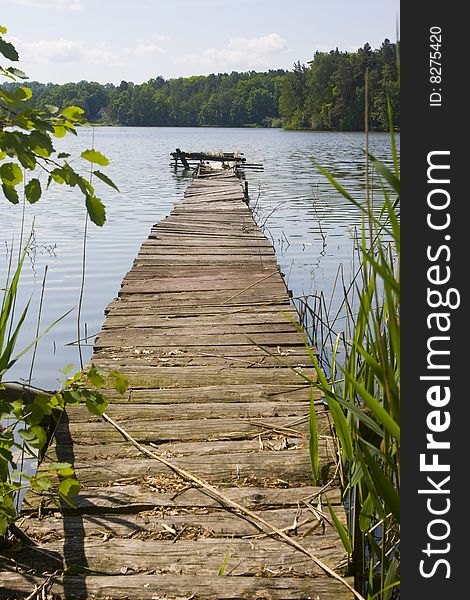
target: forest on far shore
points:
(327, 94)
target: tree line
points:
(326, 94)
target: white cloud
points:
(249, 52)
(54, 4)
(147, 48)
(64, 51)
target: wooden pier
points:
(216, 389)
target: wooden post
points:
(182, 157)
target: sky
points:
(135, 40)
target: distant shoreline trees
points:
(327, 94)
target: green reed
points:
(362, 390)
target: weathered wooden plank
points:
(217, 393)
(83, 449)
(201, 557)
(178, 260)
(275, 469)
(184, 377)
(235, 231)
(186, 524)
(260, 468)
(213, 238)
(243, 224)
(189, 284)
(179, 587)
(122, 306)
(191, 429)
(222, 410)
(226, 219)
(222, 319)
(171, 493)
(121, 358)
(187, 232)
(256, 356)
(198, 331)
(261, 298)
(80, 450)
(173, 249)
(136, 338)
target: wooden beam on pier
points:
(181, 156)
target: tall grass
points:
(362, 389)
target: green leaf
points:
(379, 411)
(85, 186)
(33, 190)
(55, 466)
(69, 487)
(63, 155)
(224, 564)
(121, 382)
(27, 435)
(59, 131)
(313, 440)
(73, 113)
(8, 50)
(10, 193)
(7, 96)
(384, 274)
(24, 93)
(52, 109)
(391, 178)
(96, 376)
(106, 179)
(72, 397)
(391, 580)
(40, 434)
(366, 514)
(40, 483)
(96, 210)
(3, 525)
(17, 73)
(3, 29)
(5, 408)
(67, 370)
(64, 469)
(341, 425)
(96, 157)
(41, 144)
(382, 484)
(95, 402)
(341, 529)
(57, 175)
(11, 174)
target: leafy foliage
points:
(329, 93)
(326, 94)
(26, 136)
(26, 415)
(363, 393)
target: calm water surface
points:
(310, 224)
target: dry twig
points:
(225, 500)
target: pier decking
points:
(203, 295)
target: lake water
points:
(310, 224)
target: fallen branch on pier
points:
(223, 499)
